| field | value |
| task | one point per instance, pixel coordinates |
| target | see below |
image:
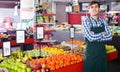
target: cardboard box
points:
(76, 8)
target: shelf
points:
(50, 30)
(44, 24)
(47, 23)
(48, 14)
(48, 41)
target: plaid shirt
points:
(100, 37)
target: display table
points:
(116, 42)
(13, 42)
(79, 67)
(64, 36)
(72, 68)
(112, 56)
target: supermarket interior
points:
(49, 35)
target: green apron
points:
(95, 54)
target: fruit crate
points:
(112, 56)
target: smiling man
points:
(96, 32)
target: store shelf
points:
(48, 41)
(50, 31)
(48, 14)
(47, 23)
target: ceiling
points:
(12, 3)
(97, 0)
(8, 3)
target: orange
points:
(61, 65)
(64, 64)
(57, 66)
(52, 68)
(72, 63)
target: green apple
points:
(23, 66)
(23, 70)
(29, 70)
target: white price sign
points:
(6, 48)
(20, 36)
(72, 32)
(40, 32)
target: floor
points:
(114, 66)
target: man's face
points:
(94, 10)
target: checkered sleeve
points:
(108, 35)
(87, 33)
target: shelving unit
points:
(45, 13)
(48, 22)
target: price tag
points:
(40, 33)
(72, 32)
(6, 48)
(20, 36)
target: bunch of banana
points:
(1, 57)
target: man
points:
(96, 32)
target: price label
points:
(72, 32)
(6, 48)
(20, 36)
(40, 32)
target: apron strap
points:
(90, 21)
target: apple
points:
(38, 71)
(23, 70)
(43, 66)
(29, 70)
(1, 70)
(23, 66)
(47, 69)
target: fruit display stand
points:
(79, 67)
(112, 56)
(116, 42)
(72, 68)
(27, 41)
(112, 52)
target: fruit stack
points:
(59, 46)
(76, 42)
(78, 50)
(110, 48)
(54, 51)
(56, 62)
(46, 52)
(15, 66)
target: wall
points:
(5, 12)
(61, 15)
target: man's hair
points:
(94, 2)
